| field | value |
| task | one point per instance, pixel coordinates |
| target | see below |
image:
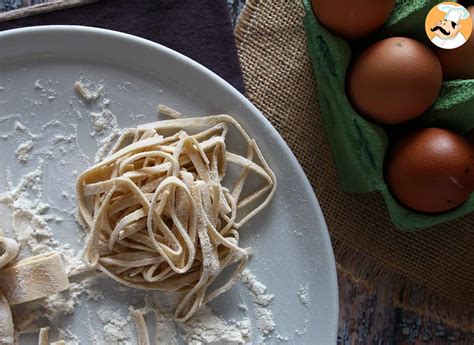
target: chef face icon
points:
(448, 25)
(445, 29)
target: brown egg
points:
(470, 136)
(431, 170)
(459, 63)
(394, 80)
(352, 19)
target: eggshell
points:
(352, 19)
(394, 80)
(431, 170)
(470, 136)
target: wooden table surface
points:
(363, 319)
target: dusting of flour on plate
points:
(282, 338)
(104, 123)
(116, 328)
(261, 301)
(30, 218)
(42, 86)
(207, 328)
(23, 151)
(303, 295)
(28, 211)
(204, 327)
(70, 338)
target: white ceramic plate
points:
(290, 239)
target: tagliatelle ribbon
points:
(26, 280)
(6, 321)
(34, 277)
(10, 249)
(140, 327)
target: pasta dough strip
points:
(34, 277)
(6, 321)
(140, 327)
(10, 249)
(43, 337)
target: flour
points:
(281, 338)
(125, 86)
(23, 151)
(104, 123)
(303, 295)
(116, 328)
(243, 307)
(137, 118)
(261, 301)
(305, 327)
(24, 201)
(50, 124)
(9, 117)
(166, 329)
(29, 218)
(20, 127)
(38, 85)
(203, 328)
(70, 338)
(207, 328)
(45, 92)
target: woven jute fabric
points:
(430, 271)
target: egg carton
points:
(359, 146)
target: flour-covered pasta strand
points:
(43, 336)
(140, 326)
(34, 277)
(9, 250)
(6, 321)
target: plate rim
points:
(325, 238)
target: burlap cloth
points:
(430, 271)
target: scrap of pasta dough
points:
(8, 250)
(60, 342)
(140, 326)
(85, 92)
(167, 111)
(43, 338)
(34, 277)
(6, 321)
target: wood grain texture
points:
(48, 6)
(366, 319)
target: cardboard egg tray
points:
(359, 146)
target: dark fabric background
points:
(199, 29)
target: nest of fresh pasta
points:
(159, 214)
